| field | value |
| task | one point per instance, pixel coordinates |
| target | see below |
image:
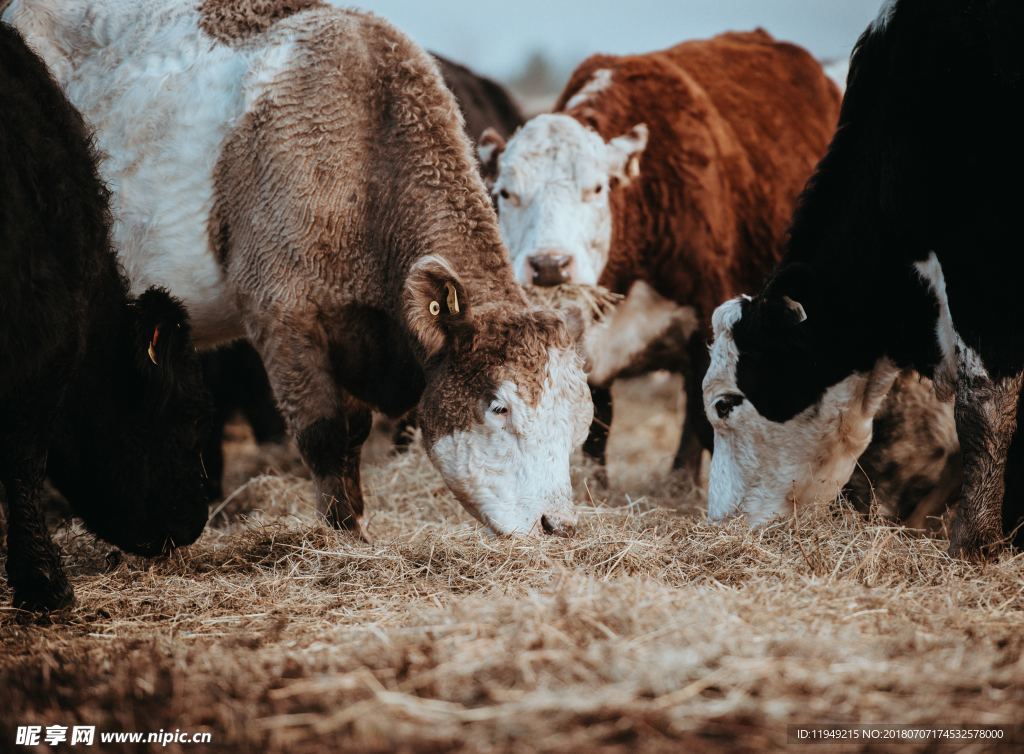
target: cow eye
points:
(499, 409)
(725, 404)
(509, 197)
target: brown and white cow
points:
(298, 174)
(670, 176)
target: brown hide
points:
(737, 124)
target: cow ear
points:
(624, 154)
(436, 306)
(796, 308)
(161, 330)
(488, 149)
(161, 345)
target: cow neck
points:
(108, 336)
(847, 261)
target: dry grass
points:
(651, 630)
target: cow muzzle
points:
(550, 268)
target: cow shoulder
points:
(233, 21)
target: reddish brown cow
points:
(675, 172)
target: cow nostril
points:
(725, 404)
(550, 268)
(557, 526)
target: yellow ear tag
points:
(435, 308)
(453, 298)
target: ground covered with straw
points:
(651, 630)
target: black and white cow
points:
(904, 253)
(100, 391)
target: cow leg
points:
(697, 435)
(986, 420)
(257, 400)
(404, 432)
(596, 445)
(332, 447)
(213, 454)
(34, 570)
(329, 426)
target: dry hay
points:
(650, 630)
(593, 301)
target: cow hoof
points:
(42, 599)
(352, 524)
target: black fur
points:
(80, 400)
(927, 157)
(238, 384)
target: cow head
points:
(506, 402)
(551, 186)
(130, 466)
(789, 427)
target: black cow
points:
(484, 103)
(98, 390)
(235, 373)
(905, 253)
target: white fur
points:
(511, 470)
(601, 80)
(556, 173)
(643, 318)
(761, 468)
(957, 357)
(162, 97)
(885, 14)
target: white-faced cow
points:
(670, 176)
(904, 253)
(99, 391)
(298, 175)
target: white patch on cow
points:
(161, 97)
(601, 80)
(642, 319)
(957, 357)
(512, 469)
(552, 188)
(885, 14)
(762, 469)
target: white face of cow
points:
(510, 467)
(552, 193)
(505, 404)
(763, 468)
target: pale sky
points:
(496, 38)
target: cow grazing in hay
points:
(670, 176)
(98, 390)
(902, 255)
(298, 175)
(234, 373)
